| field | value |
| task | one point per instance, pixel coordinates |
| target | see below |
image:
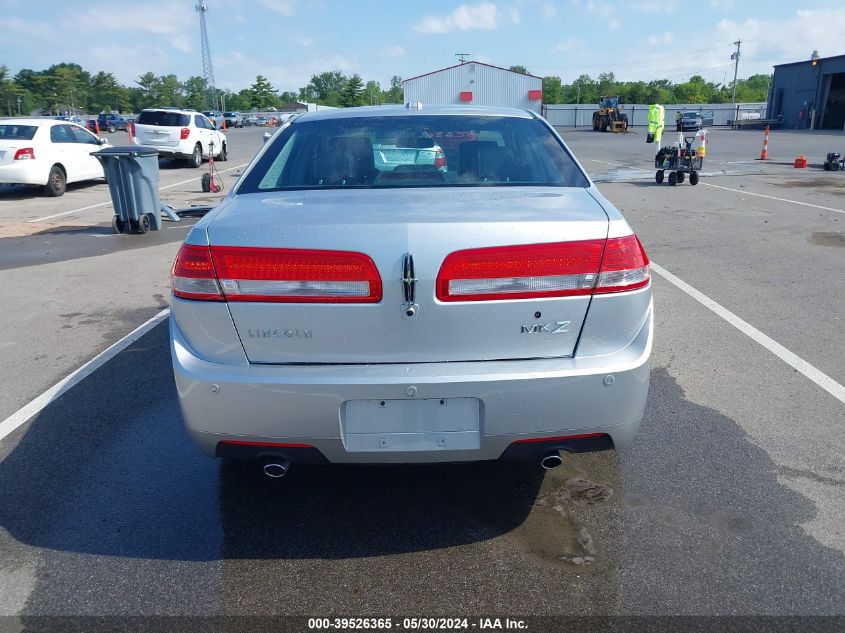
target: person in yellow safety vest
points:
(656, 116)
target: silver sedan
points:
(337, 308)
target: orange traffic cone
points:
(764, 155)
(801, 162)
(97, 125)
(224, 124)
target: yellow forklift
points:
(608, 116)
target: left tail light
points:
(275, 275)
(559, 269)
(25, 153)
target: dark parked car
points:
(110, 122)
(694, 121)
(233, 119)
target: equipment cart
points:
(678, 162)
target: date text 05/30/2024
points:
(417, 624)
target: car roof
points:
(399, 110)
(33, 121)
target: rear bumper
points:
(519, 404)
(23, 172)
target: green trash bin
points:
(132, 175)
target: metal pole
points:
(735, 57)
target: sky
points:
(288, 41)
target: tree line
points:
(587, 90)
(66, 87)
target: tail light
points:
(560, 269)
(185, 133)
(439, 160)
(192, 276)
(275, 275)
(624, 266)
(25, 153)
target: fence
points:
(581, 115)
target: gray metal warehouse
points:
(476, 83)
(810, 93)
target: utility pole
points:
(735, 57)
(462, 57)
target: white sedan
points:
(47, 152)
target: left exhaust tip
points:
(276, 467)
(551, 460)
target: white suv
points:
(180, 134)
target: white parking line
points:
(65, 384)
(102, 204)
(760, 195)
(604, 162)
(796, 362)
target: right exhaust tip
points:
(551, 461)
(276, 468)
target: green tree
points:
(372, 94)
(288, 97)
(352, 92)
(170, 91)
(552, 90)
(195, 89)
(263, 93)
(149, 84)
(325, 87)
(587, 88)
(519, 69)
(395, 94)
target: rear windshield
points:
(414, 151)
(228, 114)
(17, 132)
(158, 117)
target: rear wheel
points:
(196, 158)
(673, 178)
(56, 182)
(143, 224)
(111, 129)
(658, 177)
(118, 225)
(680, 177)
(206, 183)
(693, 178)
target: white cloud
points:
(513, 12)
(614, 24)
(283, 7)
(178, 29)
(484, 17)
(394, 51)
(305, 41)
(18, 26)
(658, 40)
(653, 6)
(722, 4)
(569, 45)
(550, 10)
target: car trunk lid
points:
(388, 227)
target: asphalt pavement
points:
(730, 502)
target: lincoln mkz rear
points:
(339, 307)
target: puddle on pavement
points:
(553, 530)
(827, 239)
(823, 185)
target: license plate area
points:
(428, 424)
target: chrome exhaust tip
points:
(551, 461)
(276, 467)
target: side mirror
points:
(267, 136)
(102, 141)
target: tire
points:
(603, 126)
(693, 178)
(224, 154)
(118, 225)
(673, 178)
(111, 129)
(680, 177)
(196, 158)
(658, 177)
(143, 224)
(827, 166)
(56, 182)
(206, 183)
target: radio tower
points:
(207, 69)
